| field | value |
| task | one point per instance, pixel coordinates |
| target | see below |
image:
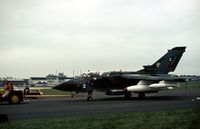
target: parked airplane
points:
(150, 79)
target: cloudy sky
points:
(38, 37)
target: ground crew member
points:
(26, 91)
(8, 89)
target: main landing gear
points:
(90, 96)
(127, 95)
(141, 95)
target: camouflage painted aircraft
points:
(150, 79)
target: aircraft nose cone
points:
(56, 87)
(66, 87)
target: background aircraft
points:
(150, 79)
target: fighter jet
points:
(150, 79)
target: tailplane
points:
(165, 64)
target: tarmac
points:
(60, 106)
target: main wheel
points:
(141, 95)
(14, 99)
(127, 95)
(90, 98)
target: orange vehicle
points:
(8, 94)
(14, 97)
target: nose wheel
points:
(141, 95)
(90, 96)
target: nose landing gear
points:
(90, 96)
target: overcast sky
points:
(38, 37)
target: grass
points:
(190, 85)
(178, 119)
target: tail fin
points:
(165, 64)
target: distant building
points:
(37, 81)
(192, 77)
(49, 80)
(14, 81)
(53, 80)
(62, 78)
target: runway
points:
(56, 107)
